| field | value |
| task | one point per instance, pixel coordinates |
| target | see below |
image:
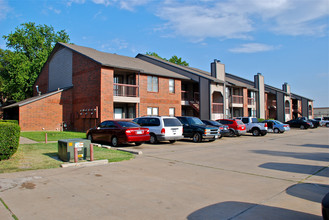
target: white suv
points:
(162, 128)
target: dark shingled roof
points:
(122, 62)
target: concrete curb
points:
(85, 164)
(130, 151)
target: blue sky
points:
(285, 40)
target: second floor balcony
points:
(237, 99)
(125, 90)
(251, 101)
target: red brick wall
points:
(45, 114)
(245, 102)
(106, 91)
(161, 99)
(42, 81)
(86, 92)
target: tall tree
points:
(28, 49)
(173, 59)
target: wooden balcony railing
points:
(125, 90)
(237, 99)
(251, 101)
(217, 108)
(287, 110)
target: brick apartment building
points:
(79, 87)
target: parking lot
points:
(278, 176)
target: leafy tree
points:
(173, 59)
(28, 49)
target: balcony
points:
(287, 110)
(217, 108)
(237, 99)
(251, 101)
(125, 90)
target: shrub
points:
(10, 121)
(9, 139)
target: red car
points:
(119, 132)
(237, 127)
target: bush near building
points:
(9, 139)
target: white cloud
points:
(241, 18)
(131, 4)
(69, 3)
(252, 48)
(4, 9)
(102, 2)
(115, 45)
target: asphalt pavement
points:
(278, 176)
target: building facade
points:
(80, 87)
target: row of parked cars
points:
(166, 128)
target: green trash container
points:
(66, 149)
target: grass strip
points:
(52, 135)
(5, 205)
(45, 156)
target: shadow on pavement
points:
(242, 210)
(309, 191)
(295, 168)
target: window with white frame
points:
(152, 110)
(171, 85)
(152, 84)
(172, 111)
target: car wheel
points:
(114, 141)
(196, 137)
(153, 139)
(89, 137)
(172, 141)
(256, 132)
(138, 143)
(220, 136)
(302, 127)
(327, 125)
(276, 130)
(232, 133)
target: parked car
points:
(322, 121)
(314, 122)
(118, 132)
(236, 126)
(162, 128)
(300, 123)
(223, 129)
(253, 126)
(276, 126)
(194, 128)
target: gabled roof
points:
(188, 69)
(122, 62)
(240, 82)
(33, 99)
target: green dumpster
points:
(66, 149)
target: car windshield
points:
(215, 123)
(239, 122)
(127, 124)
(170, 122)
(278, 122)
(195, 121)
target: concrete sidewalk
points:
(278, 176)
(24, 140)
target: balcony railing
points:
(125, 90)
(217, 108)
(189, 96)
(251, 101)
(237, 99)
(287, 110)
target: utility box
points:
(66, 149)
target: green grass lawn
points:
(44, 156)
(52, 135)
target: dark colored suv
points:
(194, 128)
(237, 127)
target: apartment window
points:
(152, 84)
(172, 111)
(152, 111)
(171, 85)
